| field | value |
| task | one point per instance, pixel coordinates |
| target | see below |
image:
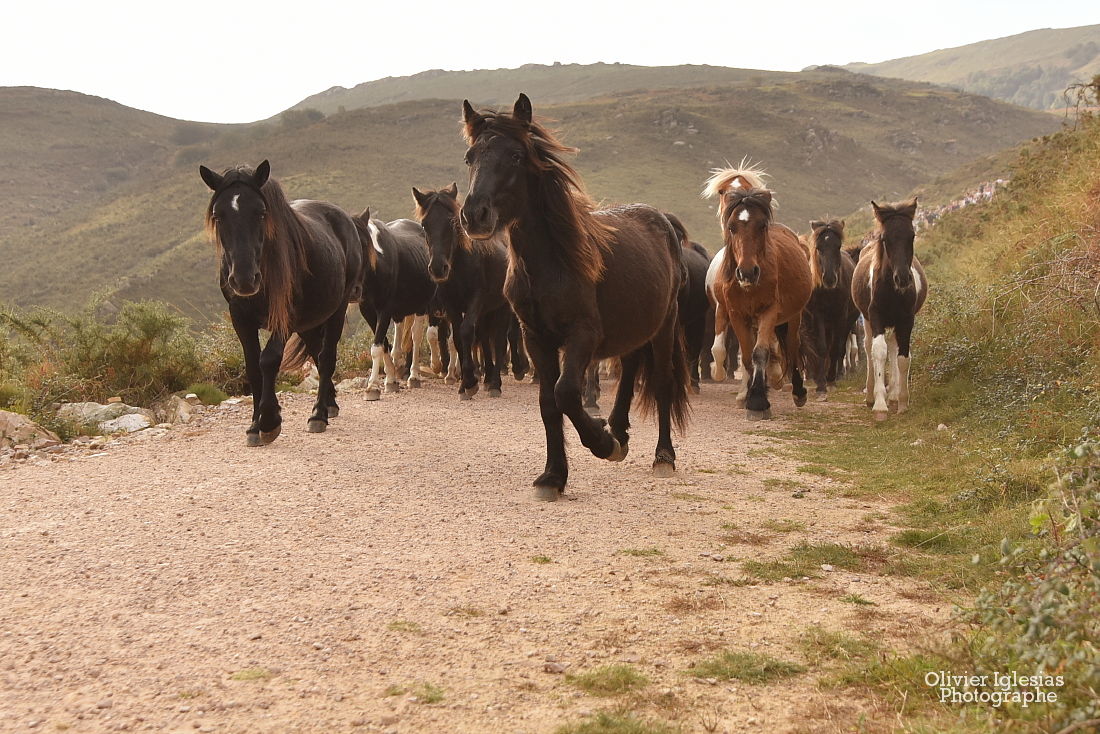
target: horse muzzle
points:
(479, 220)
(245, 287)
(439, 274)
(747, 278)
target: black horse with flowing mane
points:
(470, 286)
(889, 287)
(289, 267)
(830, 315)
(588, 284)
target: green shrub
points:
(1045, 619)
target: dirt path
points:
(188, 583)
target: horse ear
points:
(522, 110)
(452, 190)
(910, 208)
(876, 209)
(842, 226)
(260, 176)
(419, 197)
(765, 196)
(211, 179)
(365, 216)
(472, 120)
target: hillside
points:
(1029, 69)
(550, 84)
(831, 140)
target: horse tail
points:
(649, 381)
(294, 354)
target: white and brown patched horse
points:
(762, 287)
(889, 287)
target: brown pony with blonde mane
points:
(287, 267)
(761, 286)
(585, 284)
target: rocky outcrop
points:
(19, 430)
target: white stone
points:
(126, 424)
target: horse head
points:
(437, 212)
(896, 236)
(237, 219)
(746, 215)
(825, 256)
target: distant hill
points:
(831, 140)
(1029, 69)
(549, 83)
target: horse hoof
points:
(893, 405)
(619, 452)
(333, 411)
(548, 493)
(316, 425)
(823, 397)
(393, 387)
(758, 415)
(494, 392)
(663, 469)
(448, 380)
(253, 439)
(415, 382)
(881, 415)
(267, 437)
(465, 395)
(373, 393)
(799, 400)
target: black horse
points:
(288, 267)
(830, 314)
(470, 281)
(694, 303)
(586, 285)
(396, 285)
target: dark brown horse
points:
(762, 287)
(889, 287)
(469, 276)
(829, 316)
(287, 267)
(586, 284)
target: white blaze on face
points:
(373, 229)
(736, 183)
(744, 215)
(236, 207)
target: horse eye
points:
(517, 158)
(467, 159)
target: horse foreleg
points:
(249, 336)
(757, 406)
(419, 326)
(869, 386)
(592, 388)
(544, 356)
(520, 364)
(593, 433)
(903, 332)
(435, 354)
(879, 354)
(465, 334)
(718, 349)
(378, 356)
(619, 418)
(892, 369)
(742, 329)
(664, 372)
(270, 418)
(794, 359)
(492, 342)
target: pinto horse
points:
(289, 267)
(396, 286)
(889, 287)
(589, 284)
(762, 287)
(829, 316)
(470, 278)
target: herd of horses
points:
(527, 268)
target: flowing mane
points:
(743, 176)
(283, 260)
(558, 191)
(820, 228)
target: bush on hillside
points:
(1045, 620)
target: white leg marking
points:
(879, 353)
(420, 325)
(892, 366)
(375, 366)
(903, 384)
(718, 352)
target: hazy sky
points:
(238, 61)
